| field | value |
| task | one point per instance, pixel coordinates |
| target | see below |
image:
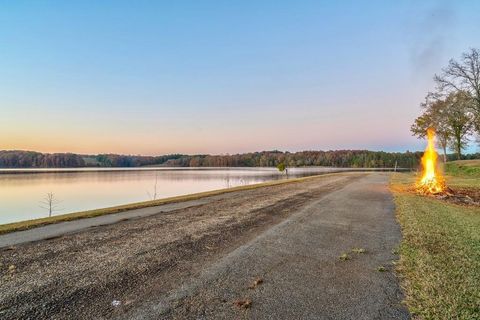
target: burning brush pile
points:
(432, 182)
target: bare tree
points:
(50, 203)
(464, 75)
(227, 182)
(153, 195)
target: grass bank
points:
(463, 168)
(24, 225)
(440, 251)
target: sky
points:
(157, 77)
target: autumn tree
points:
(450, 117)
(459, 120)
(434, 116)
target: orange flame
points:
(432, 181)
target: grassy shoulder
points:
(440, 251)
(24, 225)
(463, 168)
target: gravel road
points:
(267, 253)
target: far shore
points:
(160, 168)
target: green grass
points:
(463, 168)
(440, 252)
(24, 225)
(463, 173)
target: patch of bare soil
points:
(105, 271)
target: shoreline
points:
(30, 224)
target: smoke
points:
(431, 38)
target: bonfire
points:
(432, 181)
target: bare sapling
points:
(153, 195)
(50, 203)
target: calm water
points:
(22, 192)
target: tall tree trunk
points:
(459, 148)
(444, 153)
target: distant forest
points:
(340, 158)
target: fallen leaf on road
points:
(256, 283)
(243, 303)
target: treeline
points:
(469, 156)
(453, 109)
(31, 159)
(115, 160)
(339, 158)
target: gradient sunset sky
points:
(156, 77)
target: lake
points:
(22, 191)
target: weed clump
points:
(381, 269)
(344, 257)
(359, 250)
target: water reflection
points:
(21, 193)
